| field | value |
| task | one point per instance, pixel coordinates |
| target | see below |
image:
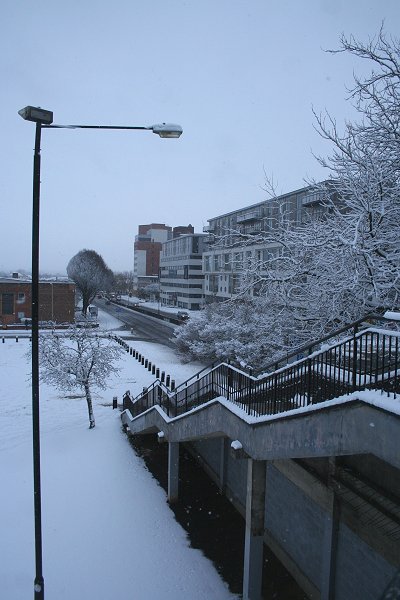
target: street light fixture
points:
(44, 119)
(167, 130)
(36, 114)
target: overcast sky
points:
(240, 77)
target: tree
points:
(123, 282)
(91, 274)
(150, 291)
(233, 331)
(80, 359)
(365, 169)
(343, 260)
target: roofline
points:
(280, 197)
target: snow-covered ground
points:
(108, 533)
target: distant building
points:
(147, 247)
(181, 277)
(227, 254)
(56, 300)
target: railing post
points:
(309, 378)
(125, 400)
(229, 381)
(355, 350)
(250, 396)
(159, 393)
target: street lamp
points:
(44, 119)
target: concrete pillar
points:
(254, 536)
(173, 471)
(223, 457)
(330, 540)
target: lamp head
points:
(36, 114)
(167, 130)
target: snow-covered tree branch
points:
(342, 260)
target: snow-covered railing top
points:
(367, 359)
(354, 328)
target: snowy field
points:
(108, 533)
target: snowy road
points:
(144, 327)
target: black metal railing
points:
(368, 359)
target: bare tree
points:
(343, 260)
(91, 274)
(80, 359)
(123, 282)
(365, 170)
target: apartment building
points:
(181, 277)
(227, 254)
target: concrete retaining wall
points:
(296, 517)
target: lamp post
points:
(44, 119)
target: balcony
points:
(253, 215)
(313, 198)
(210, 239)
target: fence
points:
(367, 359)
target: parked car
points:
(93, 311)
(183, 316)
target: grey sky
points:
(240, 76)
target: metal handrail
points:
(309, 347)
(366, 359)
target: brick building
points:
(56, 300)
(148, 244)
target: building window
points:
(21, 297)
(227, 262)
(7, 302)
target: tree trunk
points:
(85, 304)
(90, 406)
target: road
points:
(144, 327)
